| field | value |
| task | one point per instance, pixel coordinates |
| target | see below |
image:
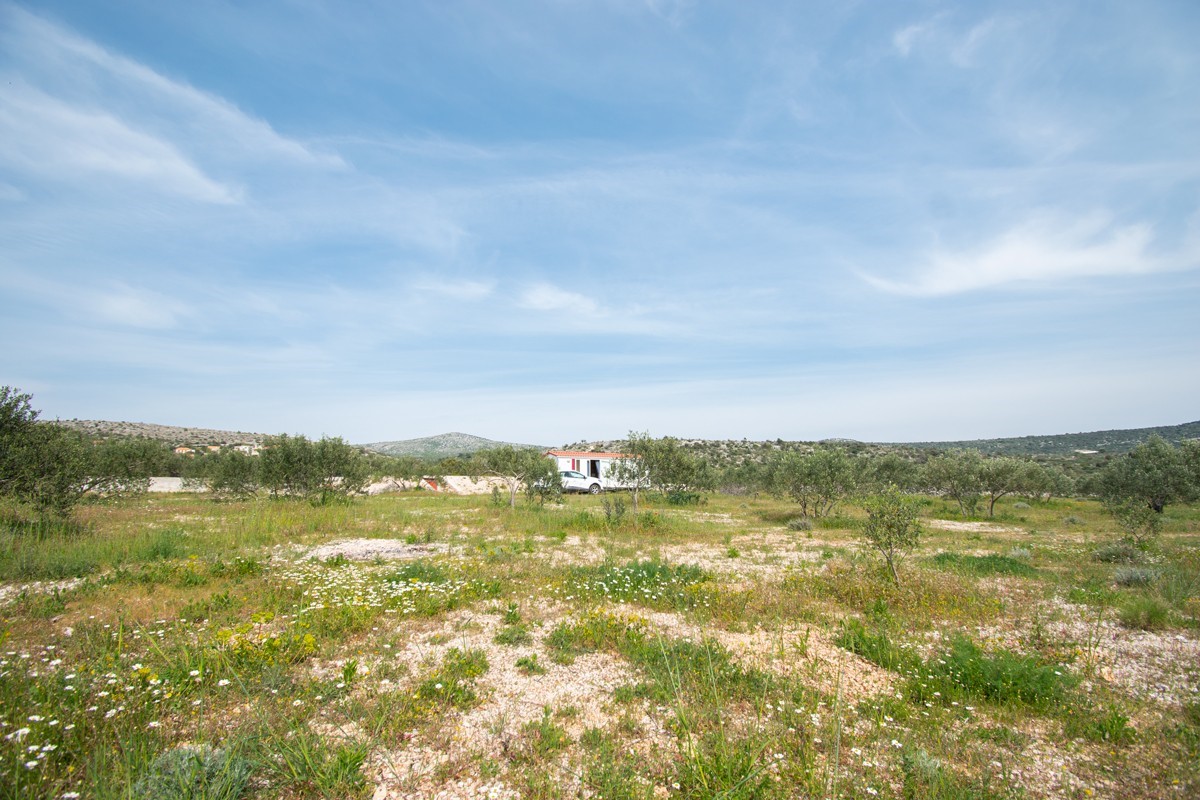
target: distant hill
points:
(171, 434)
(733, 451)
(444, 445)
(1116, 441)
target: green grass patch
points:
(983, 566)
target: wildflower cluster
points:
(648, 583)
(370, 586)
(57, 710)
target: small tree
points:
(633, 468)
(817, 481)
(1154, 473)
(1001, 476)
(319, 471)
(234, 475)
(892, 527)
(956, 475)
(516, 467)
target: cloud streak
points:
(1046, 249)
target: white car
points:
(578, 482)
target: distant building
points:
(592, 465)
(184, 450)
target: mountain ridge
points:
(456, 443)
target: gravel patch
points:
(371, 549)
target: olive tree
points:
(633, 468)
(999, 477)
(1136, 488)
(320, 471)
(956, 475)
(517, 467)
(817, 481)
(892, 526)
(52, 468)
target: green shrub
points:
(800, 524)
(682, 498)
(194, 773)
(1144, 613)
(1118, 553)
(1134, 576)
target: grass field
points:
(174, 647)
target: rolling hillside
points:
(443, 445)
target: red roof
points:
(583, 454)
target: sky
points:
(554, 221)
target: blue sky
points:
(552, 221)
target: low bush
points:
(1144, 613)
(1135, 576)
(194, 773)
(681, 498)
(1118, 553)
(800, 524)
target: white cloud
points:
(82, 73)
(458, 289)
(905, 38)
(939, 40)
(49, 137)
(1044, 249)
(138, 308)
(964, 51)
(546, 297)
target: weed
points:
(542, 738)
(513, 635)
(529, 665)
(304, 762)
(966, 671)
(876, 647)
(453, 682)
(1110, 726)
(800, 524)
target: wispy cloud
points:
(547, 297)
(49, 137)
(458, 289)
(138, 308)
(1045, 249)
(96, 83)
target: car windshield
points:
(569, 474)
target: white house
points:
(592, 465)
